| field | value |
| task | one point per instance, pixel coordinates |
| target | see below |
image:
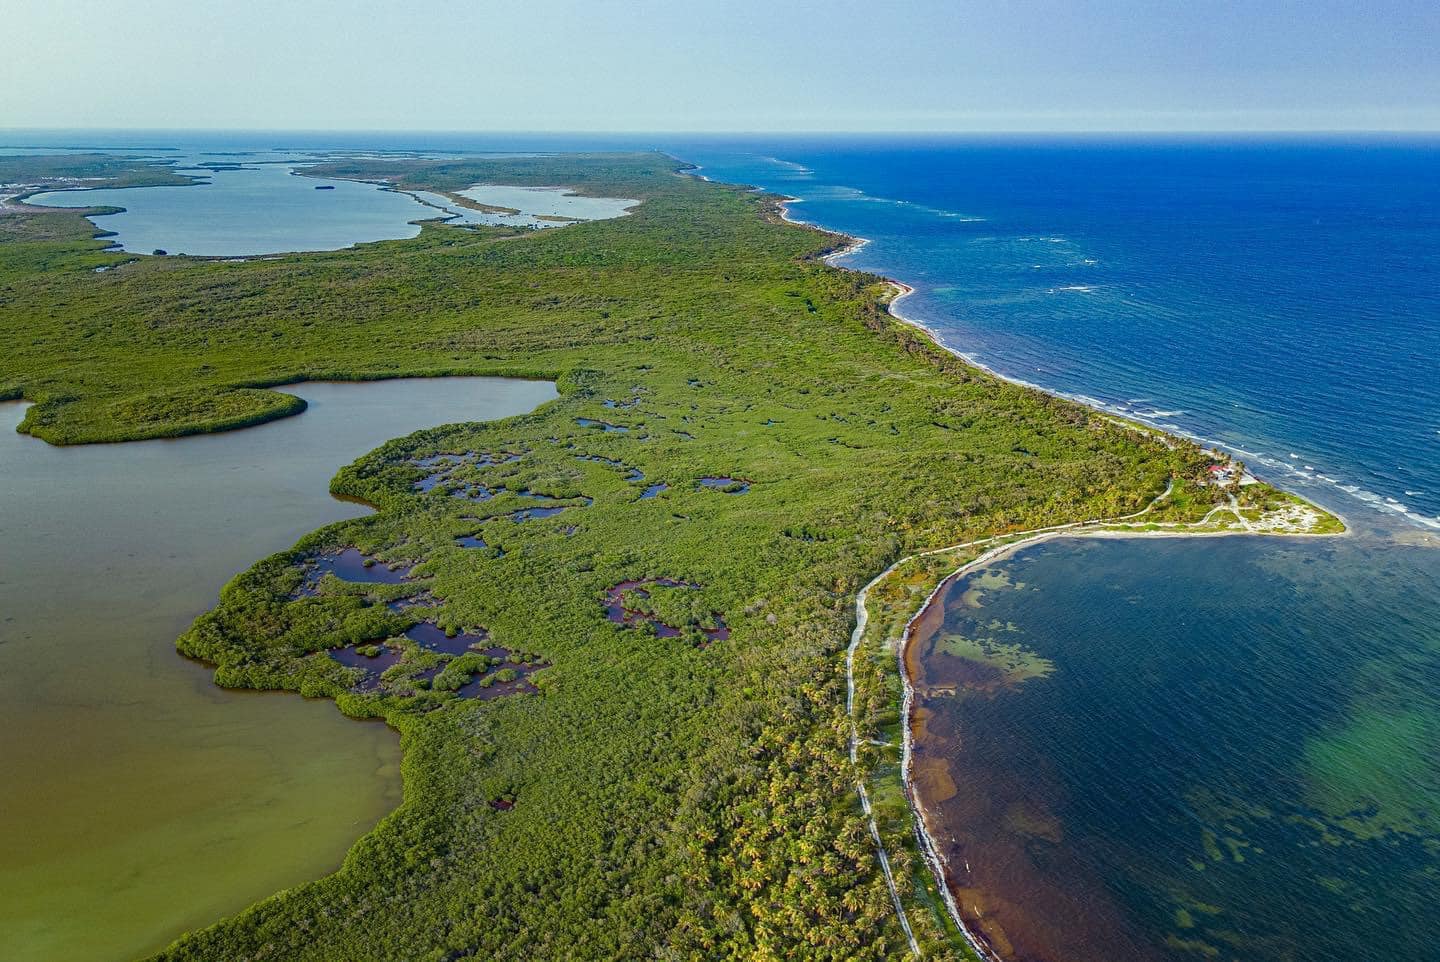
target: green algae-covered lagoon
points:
(1170, 749)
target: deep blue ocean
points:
(1236, 755)
(1281, 297)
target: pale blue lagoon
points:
(255, 202)
(263, 208)
(549, 202)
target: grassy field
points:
(674, 796)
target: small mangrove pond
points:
(552, 205)
(127, 776)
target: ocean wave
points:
(1304, 473)
(1277, 465)
(788, 165)
(855, 194)
(839, 192)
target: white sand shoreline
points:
(1270, 464)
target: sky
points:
(724, 65)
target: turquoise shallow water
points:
(1279, 296)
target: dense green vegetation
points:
(672, 798)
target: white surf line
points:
(862, 617)
(928, 847)
(853, 244)
(1110, 412)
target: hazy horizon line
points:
(738, 132)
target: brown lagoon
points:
(126, 776)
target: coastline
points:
(1271, 464)
(1004, 546)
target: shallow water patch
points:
(430, 481)
(370, 658)
(445, 467)
(551, 507)
(422, 600)
(472, 492)
(429, 635)
(547, 206)
(535, 514)
(631, 473)
(724, 485)
(625, 604)
(506, 676)
(605, 426)
(352, 565)
(467, 667)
